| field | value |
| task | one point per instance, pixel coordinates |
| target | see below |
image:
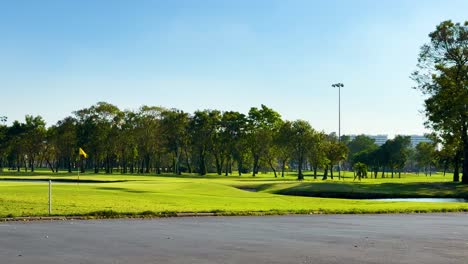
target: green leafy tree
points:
(284, 148)
(263, 123)
(203, 127)
(233, 139)
(397, 153)
(62, 141)
(302, 140)
(34, 139)
(360, 169)
(174, 128)
(148, 137)
(317, 153)
(442, 76)
(425, 156)
(335, 152)
(360, 143)
(97, 132)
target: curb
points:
(42, 218)
(68, 218)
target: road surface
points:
(413, 238)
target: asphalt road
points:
(425, 238)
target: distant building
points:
(379, 139)
(416, 139)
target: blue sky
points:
(61, 56)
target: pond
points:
(424, 200)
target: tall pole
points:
(339, 85)
(339, 127)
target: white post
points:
(50, 197)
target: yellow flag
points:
(82, 153)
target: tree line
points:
(158, 140)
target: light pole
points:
(339, 85)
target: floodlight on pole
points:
(339, 85)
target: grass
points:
(149, 195)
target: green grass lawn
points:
(167, 194)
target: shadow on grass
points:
(121, 189)
(368, 191)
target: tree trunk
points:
(331, 171)
(176, 163)
(465, 154)
(255, 165)
(300, 176)
(325, 173)
(50, 165)
(283, 167)
(32, 162)
(228, 160)
(456, 165)
(96, 165)
(202, 164)
(315, 172)
(187, 159)
(147, 161)
(69, 165)
(141, 166)
(446, 165)
(272, 167)
(219, 167)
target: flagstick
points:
(50, 196)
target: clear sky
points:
(60, 56)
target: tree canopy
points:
(442, 76)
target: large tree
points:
(203, 126)
(442, 76)
(284, 148)
(397, 153)
(97, 131)
(317, 153)
(148, 137)
(425, 156)
(335, 152)
(360, 143)
(174, 128)
(62, 140)
(302, 140)
(232, 139)
(263, 123)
